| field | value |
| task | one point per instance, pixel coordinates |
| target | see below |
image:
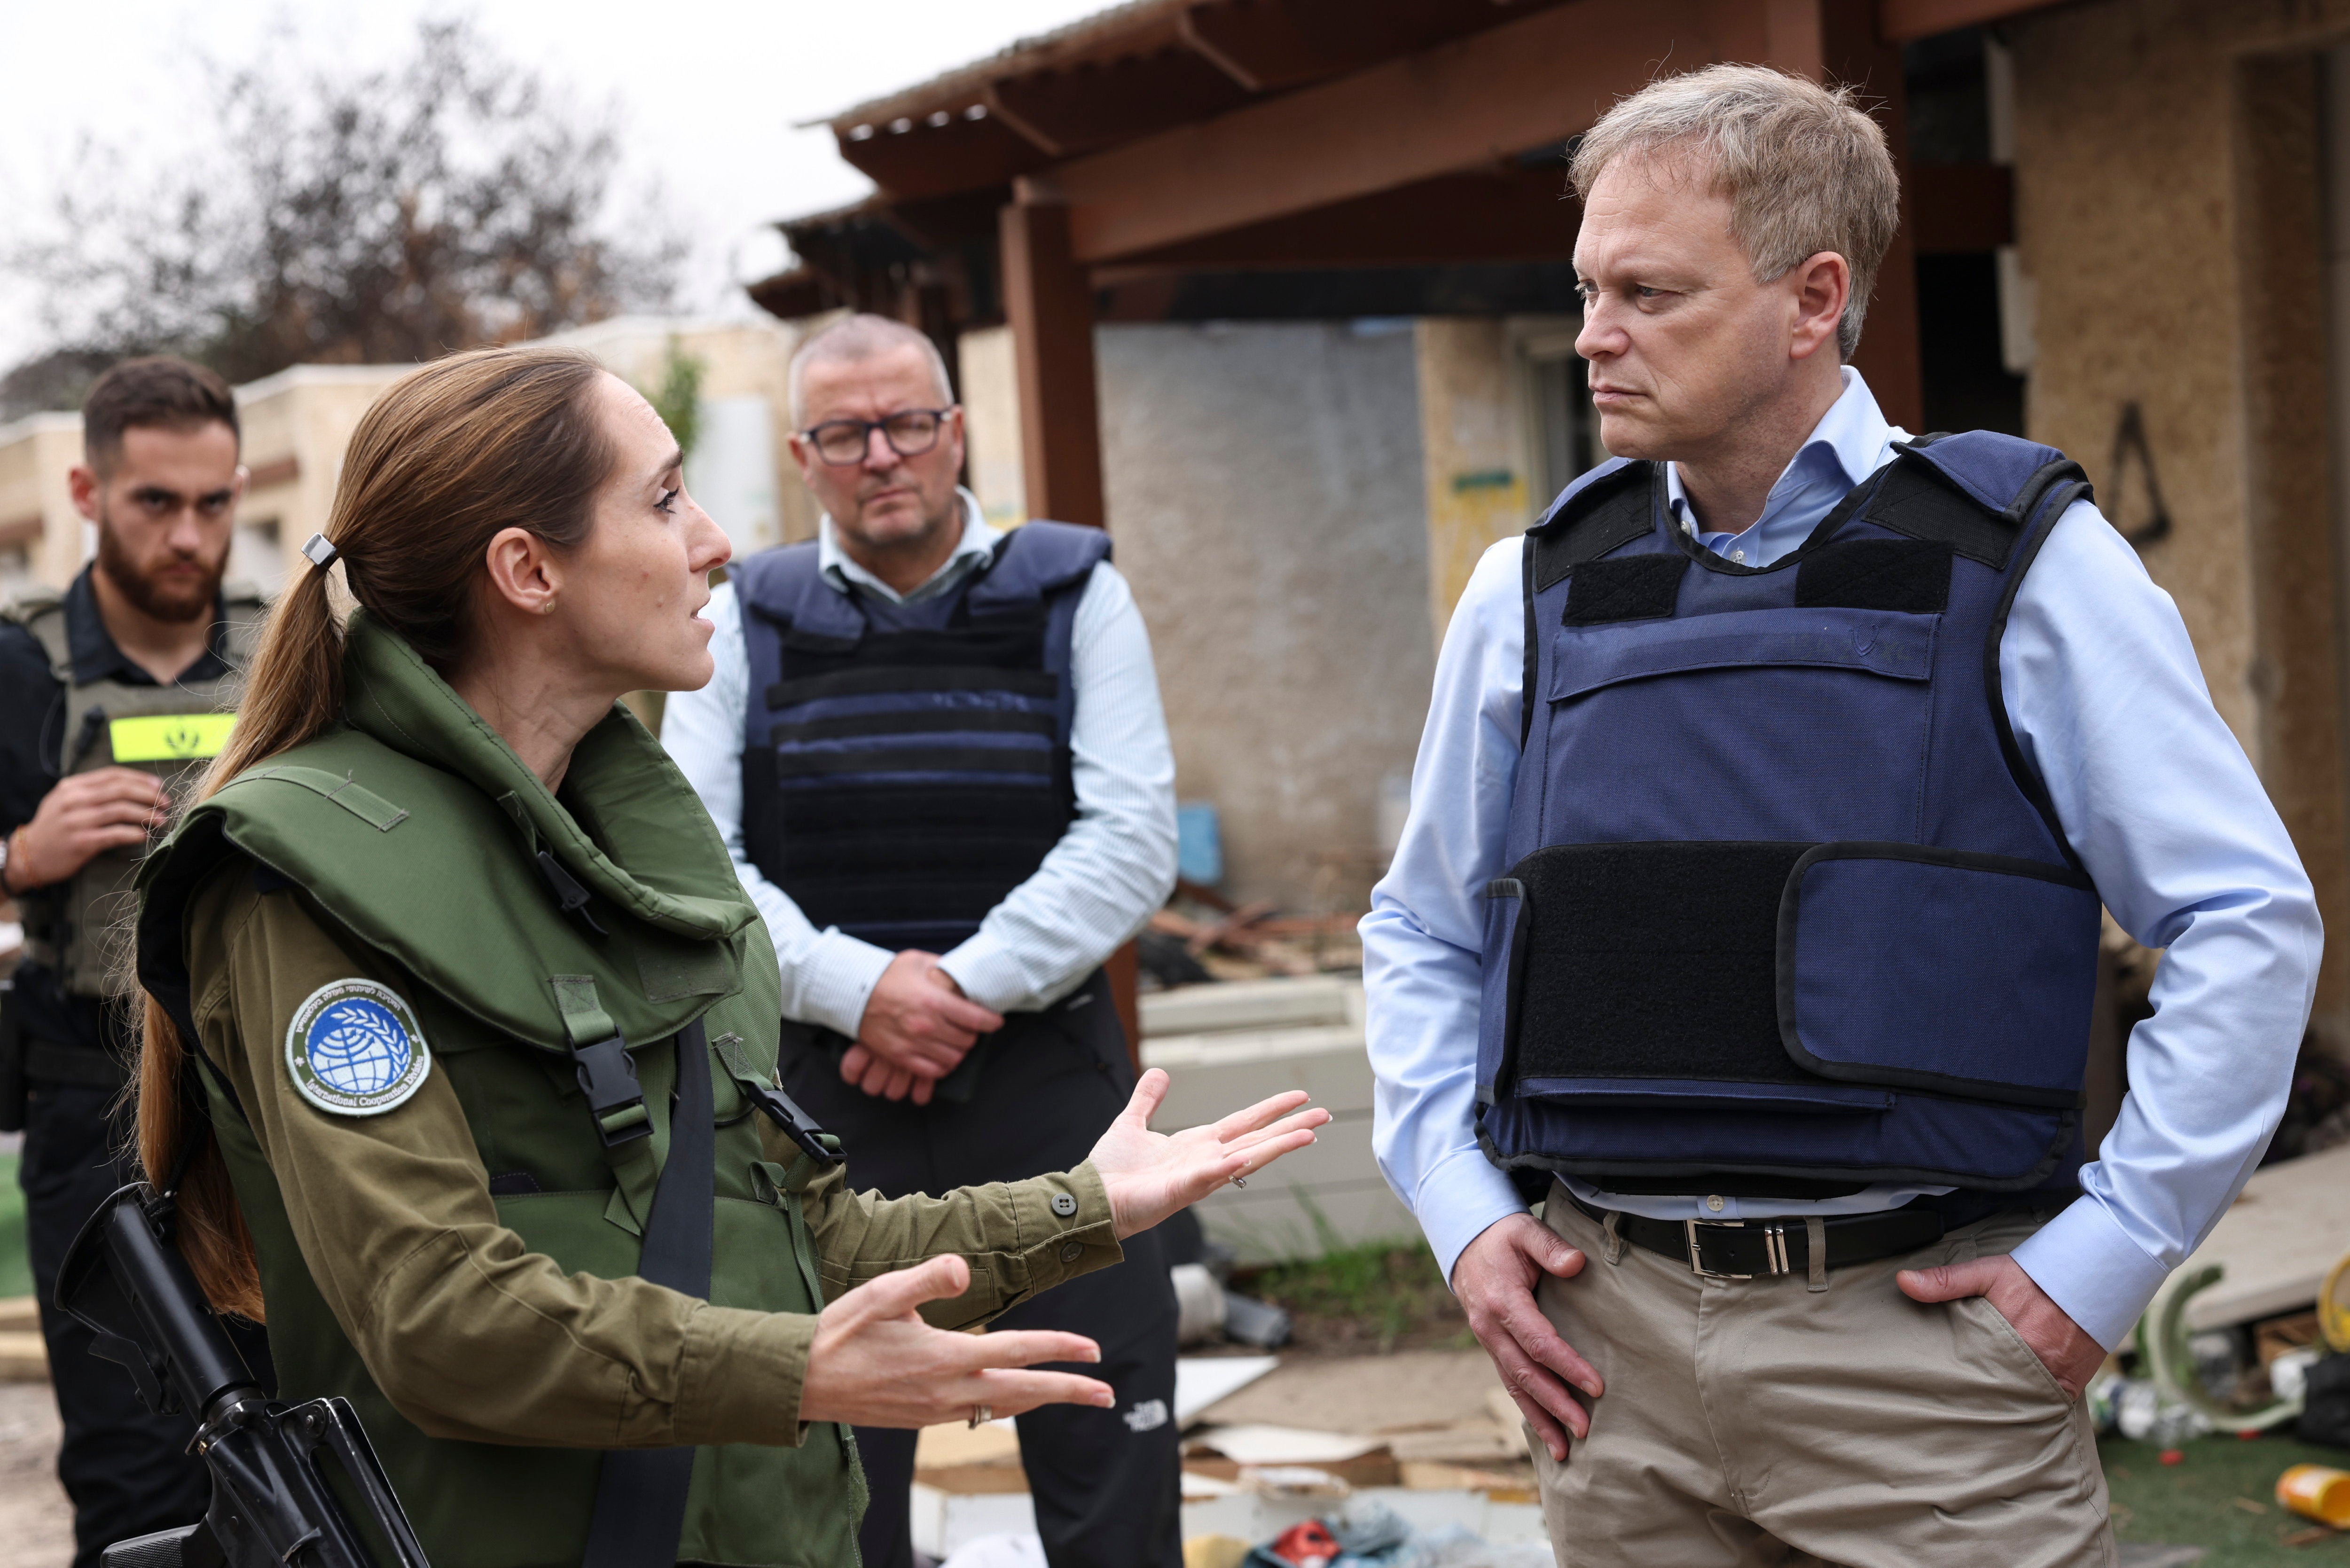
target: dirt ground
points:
(35, 1520)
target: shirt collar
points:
(96, 655)
(1851, 441)
(978, 542)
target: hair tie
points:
(320, 550)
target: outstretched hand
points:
(875, 1363)
(1151, 1175)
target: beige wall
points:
(746, 383)
(1472, 444)
(41, 535)
(1264, 492)
(2168, 213)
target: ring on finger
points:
(981, 1414)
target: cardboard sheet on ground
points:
(1201, 1380)
(1260, 1445)
(2276, 1241)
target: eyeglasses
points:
(911, 432)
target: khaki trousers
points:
(1752, 1422)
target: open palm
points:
(1151, 1175)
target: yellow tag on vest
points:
(170, 737)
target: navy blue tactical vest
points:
(905, 766)
(1787, 912)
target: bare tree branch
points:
(446, 201)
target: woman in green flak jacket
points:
(461, 1038)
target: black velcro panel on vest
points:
(1612, 510)
(1654, 960)
(1910, 576)
(1629, 588)
(1913, 498)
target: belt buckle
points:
(1774, 1247)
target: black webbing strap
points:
(639, 1510)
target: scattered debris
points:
(2318, 1492)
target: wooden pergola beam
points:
(1489, 95)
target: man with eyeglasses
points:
(936, 751)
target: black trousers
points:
(1106, 1483)
(126, 1470)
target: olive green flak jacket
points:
(494, 1346)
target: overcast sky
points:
(709, 93)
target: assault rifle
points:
(275, 1467)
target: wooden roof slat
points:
(1528, 83)
(1269, 45)
(927, 159)
(1503, 214)
(1092, 106)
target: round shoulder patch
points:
(354, 1049)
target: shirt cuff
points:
(2090, 1267)
(838, 977)
(987, 973)
(742, 1379)
(1458, 1201)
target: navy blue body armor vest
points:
(1788, 913)
(907, 765)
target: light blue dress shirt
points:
(2108, 705)
(1097, 886)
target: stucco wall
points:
(1265, 491)
(2163, 181)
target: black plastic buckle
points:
(608, 1076)
(797, 1125)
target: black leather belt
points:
(1750, 1249)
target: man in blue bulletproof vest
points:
(937, 753)
(1748, 912)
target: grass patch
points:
(16, 1268)
(2202, 1501)
(1377, 1296)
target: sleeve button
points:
(1063, 1205)
(1071, 1251)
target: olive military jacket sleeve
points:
(472, 1335)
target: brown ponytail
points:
(450, 455)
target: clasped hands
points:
(1495, 1277)
(875, 1362)
(918, 1025)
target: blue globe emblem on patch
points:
(359, 1047)
(353, 1048)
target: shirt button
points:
(1071, 1251)
(1714, 1203)
(1688, 527)
(1738, 555)
(1063, 1205)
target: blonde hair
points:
(448, 456)
(1805, 169)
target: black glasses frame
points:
(814, 435)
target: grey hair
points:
(1805, 169)
(862, 337)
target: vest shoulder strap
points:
(1605, 508)
(787, 585)
(1979, 493)
(1035, 560)
(42, 612)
